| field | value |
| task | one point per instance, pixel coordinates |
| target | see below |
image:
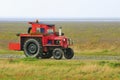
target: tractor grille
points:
(57, 42)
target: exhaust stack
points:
(60, 31)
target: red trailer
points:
(43, 41)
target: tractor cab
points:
(41, 28)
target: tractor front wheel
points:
(32, 48)
(58, 53)
(69, 53)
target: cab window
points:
(50, 31)
(40, 30)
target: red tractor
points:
(42, 41)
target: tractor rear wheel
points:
(46, 55)
(32, 48)
(69, 53)
(58, 53)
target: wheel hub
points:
(32, 48)
(57, 54)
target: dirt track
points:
(97, 57)
(6, 56)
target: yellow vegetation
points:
(32, 69)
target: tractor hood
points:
(59, 38)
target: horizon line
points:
(60, 19)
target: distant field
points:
(34, 69)
(90, 38)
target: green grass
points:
(2, 51)
(98, 53)
(34, 69)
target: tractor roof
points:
(48, 24)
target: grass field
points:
(33, 69)
(90, 38)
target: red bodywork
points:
(14, 46)
(48, 39)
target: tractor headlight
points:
(63, 39)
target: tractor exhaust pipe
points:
(60, 31)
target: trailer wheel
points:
(58, 53)
(32, 48)
(69, 53)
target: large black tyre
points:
(46, 55)
(32, 48)
(69, 53)
(29, 30)
(58, 53)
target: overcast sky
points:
(60, 9)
